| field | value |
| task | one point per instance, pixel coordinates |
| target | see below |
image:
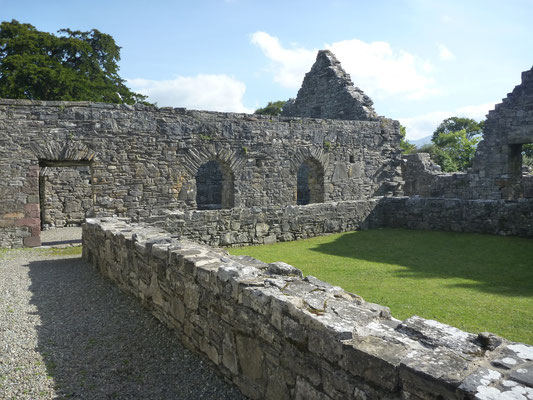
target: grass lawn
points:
(51, 251)
(474, 282)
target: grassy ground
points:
(474, 282)
(52, 251)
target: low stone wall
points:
(279, 336)
(424, 178)
(264, 225)
(496, 217)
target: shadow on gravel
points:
(99, 343)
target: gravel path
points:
(61, 236)
(65, 332)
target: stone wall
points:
(497, 163)
(496, 217)
(496, 172)
(277, 335)
(265, 225)
(423, 177)
(143, 159)
(328, 92)
(65, 195)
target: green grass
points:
(52, 251)
(474, 282)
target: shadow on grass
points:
(99, 343)
(493, 264)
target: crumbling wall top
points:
(328, 92)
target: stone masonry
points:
(143, 160)
(278, 335)
(268, 329)
(328, 92)
(66, 196)
(497, 172)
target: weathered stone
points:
(281, 268)
(281, 336)
(523, 374)
(250, 357)
(328, 92)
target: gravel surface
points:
(61, 236)
(66, 332)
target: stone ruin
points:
(328, 164)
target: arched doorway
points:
(310, 183)
(214, 186)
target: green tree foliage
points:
(453, 151)
(407, 148)
(527, 154)
(73, 66)
(456, 124)
(454, 143)
(272, 108)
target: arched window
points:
(214, 186)
(310, 183)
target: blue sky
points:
(420, 61)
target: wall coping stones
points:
(278, 335)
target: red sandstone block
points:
(32, 241)
(36, 230)
(31, 222)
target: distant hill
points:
(420, 142)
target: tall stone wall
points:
(144, 159)
(497, 171)
(278, 335)
(498, 157)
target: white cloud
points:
(425, 124)
(289, 65)
(375, 67)
(445, 54)
(200, 92)
(381, 71)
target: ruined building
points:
(329, 164)
(63, 161)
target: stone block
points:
(32, 241)
(30, 222)
(250, 357)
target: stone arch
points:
(308, 166)
(310, 182)
(226, 159)
(68, 152)
(214, 186)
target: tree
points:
(527, 154)
(407, 148)
(73, 66)
(272, 108)
(456, 124)
(454, 151)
